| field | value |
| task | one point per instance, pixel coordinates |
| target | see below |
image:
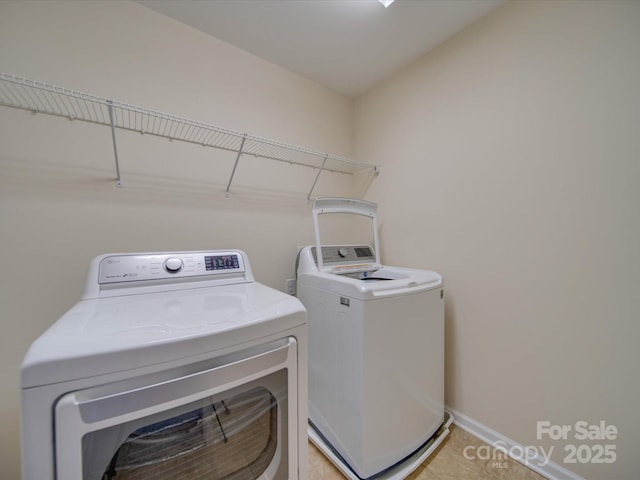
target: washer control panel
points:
(134, 268)
(347, 254)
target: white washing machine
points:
(376, 354)
(172, 364)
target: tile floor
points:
(448, 462)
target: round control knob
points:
(173, 265)
(343, 252)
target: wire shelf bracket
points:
(324, 160)
(115, 147)
(227, 192)
(39, 97)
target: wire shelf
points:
(39, 97)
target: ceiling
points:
(346, 45)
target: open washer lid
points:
(323, 206)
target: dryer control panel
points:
(168, 266)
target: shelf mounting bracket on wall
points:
(227, 193)
(115, 148)
(324, 160)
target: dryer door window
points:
(230, 421)
(233, 435)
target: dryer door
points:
(230, 417)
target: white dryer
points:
(173, 364)
(376, 354)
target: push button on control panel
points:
(173, 265)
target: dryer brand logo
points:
(344, 301)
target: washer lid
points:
(351, 206)
(107, 335)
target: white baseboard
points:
(550, 470)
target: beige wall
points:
(511, 164)
(58, 203)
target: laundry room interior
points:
(506, 158)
